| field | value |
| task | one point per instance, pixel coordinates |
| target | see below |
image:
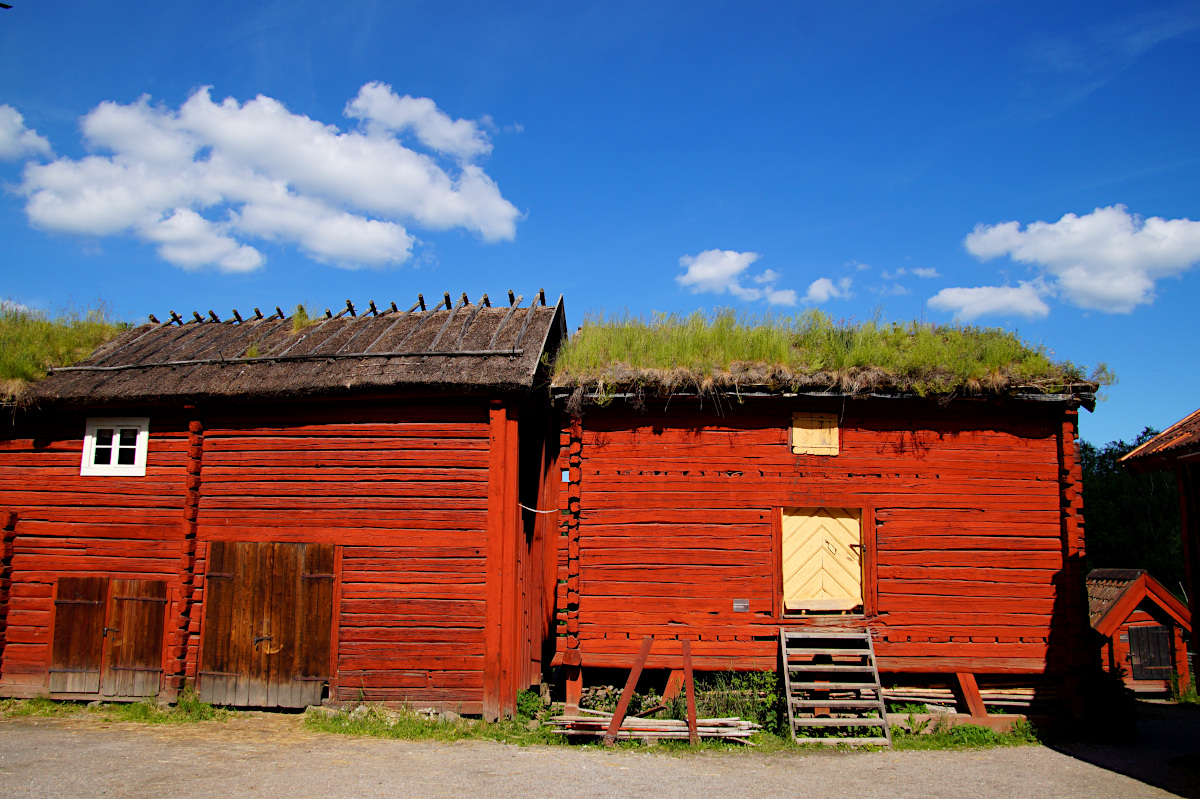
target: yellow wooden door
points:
(822, 559)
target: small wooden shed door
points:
(107, 636)
(268, 614)
(133, 660)
(1150, 652)
(77, 650)
(822, 560)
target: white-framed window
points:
(115, 447)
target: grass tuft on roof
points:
(726, 351)
(31, 342)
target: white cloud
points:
(199, 181)
(925, 272)
(12, 306)
(781, 296)
(1108, 260)
(823, 290)
(721, 271)
(971, 303)
(16, 140)
(382, 110)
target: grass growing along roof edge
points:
(726, 351)
(33, 341)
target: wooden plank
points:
(970, 692)
(690, 685)
(635, 672)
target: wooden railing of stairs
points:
(833, 691)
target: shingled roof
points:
(461, 345)
(1114, 593)
(1180, 440)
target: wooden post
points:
(574, 689)
(970, 691)
(501, 611)
(693, 731)
(610, 736)
(674, 683)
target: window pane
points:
(126, 456)
(104, 437)
(129, 436)
(102, 456)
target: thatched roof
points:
(464, 346)
(1179, 441)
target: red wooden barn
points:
(1178, 448)
(1142, 627)
(278, 508)
(950, 530)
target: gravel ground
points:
(269, 754)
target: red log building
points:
(1178, 448)
(276, 509)
(1142, 628)
(952, 531)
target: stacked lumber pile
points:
(1002, 697)
(596, 723)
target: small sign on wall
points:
(741, 606)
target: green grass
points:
(965, 736)
(726, 350)
(382, 722)
(187, 710)
(31, 341)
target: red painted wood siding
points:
(675, 522)
(403, 490)
(127, 527)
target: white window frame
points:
(136, 469)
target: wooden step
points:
(839, 722)
(839, 667)
(857, 653)
(870, 704)
(835, 686)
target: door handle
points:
(108, 630)
(259, 638)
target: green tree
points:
(1131, 520)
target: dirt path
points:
(266, 754)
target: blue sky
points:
(1027, 165)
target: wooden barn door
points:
(107, 637)
(267, 624)
(77, 648)
(822, 559)
(133, 658)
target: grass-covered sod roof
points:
(725, 352)
(31, 342)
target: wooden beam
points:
(493, 619)
(690, 684)
(674, 683)
(970, 691)
(610, 737)
(574, 676)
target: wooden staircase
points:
(833, 691)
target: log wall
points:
(671, 514)
(70, 525)
(404, 492)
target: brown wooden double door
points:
(108, 636)
(267, 618)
